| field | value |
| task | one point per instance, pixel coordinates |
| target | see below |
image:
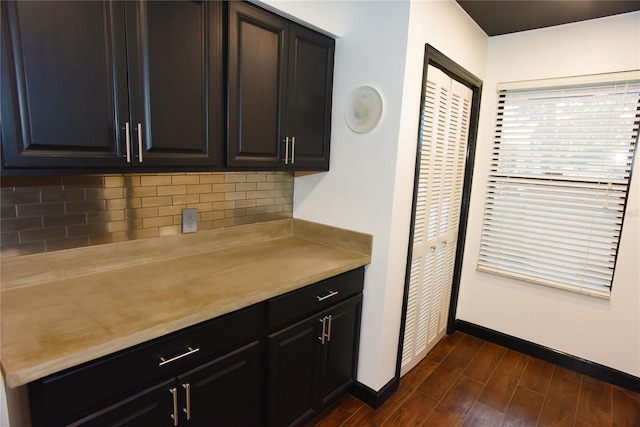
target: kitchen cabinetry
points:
(304, 344)
(223, 392)
(311, 362)
(106, 85)
(213, 371)
(280, 85)
(315, 359)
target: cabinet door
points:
(341, 348)
(152, 407)
(224, 392)
(257, 79)
(310, 87)
(293, 362)
(63, 84)
(176, 82)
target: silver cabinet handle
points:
(191, 351)
(140, 142)
(174, 392)
(286, 150)
(324, 329)
(293, 150)
(329, 295)
(127, 131)
(187, 410)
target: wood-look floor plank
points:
(369, 417)
(413, 411)
(500, 387)
(453, 407)
(338, 412)
(516, 385)
(625, 408)
(421, 371)
(481, 416)
(594, 402)
(485, 362)
(559, 409)
(447, 344)
(524, 408)
(537, 376)
(444, 376)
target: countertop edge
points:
(22, 376)
(25, 376)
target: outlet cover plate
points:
(189, 220)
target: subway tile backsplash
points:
(43, 214)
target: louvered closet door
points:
(445, 130)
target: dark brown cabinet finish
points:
(63, 84)
(312, 362)
(280, 83)
(213, 345)
(224, 392)
(276, 362)
(104, 85)
(176, 82)
(151, 407)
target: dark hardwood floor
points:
(465, 381)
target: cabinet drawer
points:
(303, 302)
(65, 396)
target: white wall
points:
(369, 187)
(602, 331)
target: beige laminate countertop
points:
(52, 325)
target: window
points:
(559, 178)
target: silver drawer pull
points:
(329, 295)
(164, 361)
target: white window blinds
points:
(558, 182)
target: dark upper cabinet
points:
(280, 85)
(112, 84)
(176, 82)
(63, 84)
(309, 98)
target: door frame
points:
(437, 59)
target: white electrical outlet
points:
(189, 220)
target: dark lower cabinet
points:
(277, 362)
(151, 407)
(223, 392)
(312, 362)
(293, 373)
